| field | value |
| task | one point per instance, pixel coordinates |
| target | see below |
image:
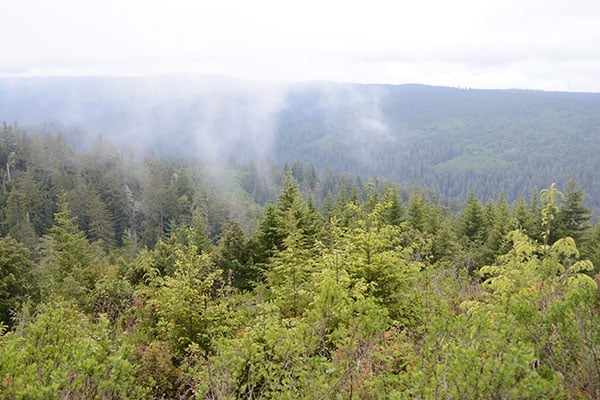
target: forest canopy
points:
(451, 140)
(157, 277)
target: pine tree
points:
(573, 218)
(500, 224)
(290, 214)
(445, 247)
(232, 256)
(69, 266)
(417, 211)
(395, 212)
(100, 222)
(17, 282)
(288, 277)
(472, 220)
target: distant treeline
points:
(453, 141)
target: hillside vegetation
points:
(452, 140)
(154, 278)
(510, 142)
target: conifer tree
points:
(522, 216)
(18, 218)
(445, 244)
(232, 256)
(288, 277)
(591, 246)
(69, 266)
(100, 222)
(417, 211)
(17, 282)
(472, 220)
(290, 215)
(500, 224)
(25, 210)
(573, 218)
(394, 214)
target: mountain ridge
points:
(511, 141)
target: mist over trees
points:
(511, 142)
(223, 240)
(162, 277)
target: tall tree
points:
(417, 211)
(100, 225)
(573, 218)
(288, 277)
(500, 223)
(395, 213)
(232, 256)
(473, 221)
(290, 214)
(69, 265)
(17, 281)
(549, 212)
(25, 210)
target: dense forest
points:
(157, 277)
(454, 141)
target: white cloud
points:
(547, 44)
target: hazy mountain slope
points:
(451, 139)
(493, 141)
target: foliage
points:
(17, 282)
(190, 305)
(60, 353)
(344, 288)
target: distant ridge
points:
(453, 140)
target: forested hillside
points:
(126, 277)
(510, 142)
(452, 140)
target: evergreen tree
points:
(289, 276)
(232, 256)
(311, 179)
(395, 212)
(25, 209)
(445, 245)
(473, 220)
(99, 222)
(166, 200)
(289, 215)
(591, 246)
(500, 223)
(268, 238)
(573, 218)
(17, 282)
(417, 211)
(191, 304)
(69, 266)
(18, 218)
(522, 216)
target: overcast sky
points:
(536, 44)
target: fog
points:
(531, 44)
(210, 118)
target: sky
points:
(526, 44)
